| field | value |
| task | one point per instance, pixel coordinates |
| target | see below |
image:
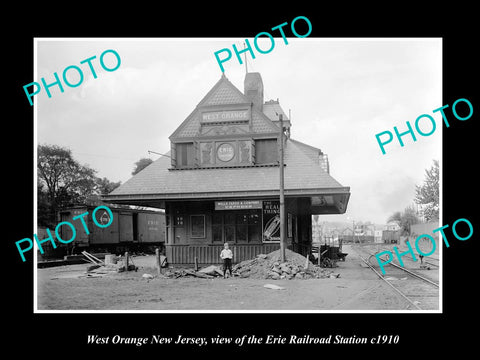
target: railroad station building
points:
(220, 181)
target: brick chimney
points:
(253, 89)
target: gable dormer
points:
(227, 129)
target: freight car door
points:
(108, 235)
(126, 227)
(151, 228)
(81, 237)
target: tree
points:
(85, 185)
(106, 186)
(141, 164)
(62, 181)
(428, 193)
(405, 219)
(44, 215)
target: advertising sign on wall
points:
(271, 220)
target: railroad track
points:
(418, 291)
(432, 261)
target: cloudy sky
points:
(341, 92)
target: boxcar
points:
(130, 230)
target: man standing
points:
(227, 257)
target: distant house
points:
(393, 226)
(391, 233)
(377, 236)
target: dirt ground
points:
(357, 288)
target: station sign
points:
(238, 204)
(225, 116)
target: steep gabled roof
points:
(272, 110)
(223, 93)
(308, 150)
(262, 124)
(302, 175)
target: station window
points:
(266, 151)
(242, 227)
(237, 227)
(197, 226)
(229, 233)
(217, 227)
(217, 234)
(255, 227)
(185, 154)
(178, 220)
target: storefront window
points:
(217, 219)
(242, 218)
(230, 233)
(217, 233)
(197, 223)
(229, 218)
(254, 233)
(237, 226)
(254, 219)
(254, 227)
(241, 227)
(242, 233)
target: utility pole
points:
(282, 196)
(353, 227)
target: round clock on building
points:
(225, 152)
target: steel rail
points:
(416, 275)
(412, 273)
(427, 262)
(406, 270)
(388, 282)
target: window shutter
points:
(173, 154)
(196, 153)
(252, 152)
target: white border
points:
(35, 247)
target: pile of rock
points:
(263, 266)
(269, 266)
(289, 271)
